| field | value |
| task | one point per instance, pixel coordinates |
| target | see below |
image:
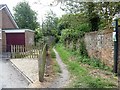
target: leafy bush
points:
(72, 36)
(52, 53)
(84, 27)
(82, 48)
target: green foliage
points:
(71, 21)
(56, 67)
(49, 25)
(52, 53)
(25, 16)
(82, 48)
(72, 36)
(105, 10)
(84, 27)
(38, 35)
(72, 25)
(96, 63)
(83, 78)
(18, 55)
(91, 15)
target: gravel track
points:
(9, 77)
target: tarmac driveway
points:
(9, 77)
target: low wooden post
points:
(41, 64)
(14, 51)
(11, 51)
(23, 51)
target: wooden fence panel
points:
(21, 51)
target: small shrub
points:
(82, 48)
(52, 53)
(18, 55)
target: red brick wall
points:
(6, 21)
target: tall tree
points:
(50, 23)
(71, 21)
(95, 9)
(25, 16)
(92, 15)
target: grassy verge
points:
(82, 77)
(56, 68)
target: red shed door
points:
(14, 39)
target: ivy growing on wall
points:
(75, 38)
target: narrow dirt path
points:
(63, 79)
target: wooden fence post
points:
(41, 64)
(11, 51)
(14, 51)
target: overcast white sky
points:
(41, 9)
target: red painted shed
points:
(19, 37)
